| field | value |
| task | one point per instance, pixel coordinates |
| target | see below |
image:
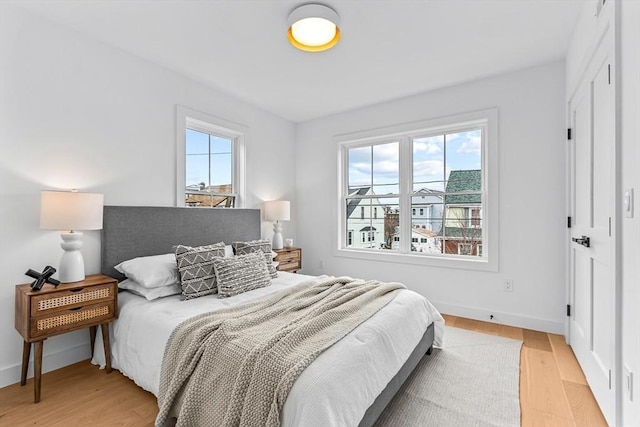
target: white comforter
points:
(335, 390)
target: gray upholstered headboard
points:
(132, 231)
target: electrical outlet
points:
(507, 286)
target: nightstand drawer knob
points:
(76, 290)
(76, 308)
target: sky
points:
(433, 159)
(199, 158)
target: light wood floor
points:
(553, 390)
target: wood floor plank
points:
(545, 388)
(535, 339)
(510, 332)
(449, 320)
(544, 419)
(583, 405)
(468, 324)
(526, 415)
(487, 327)
(568, 365)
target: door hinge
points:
(609, 226)
(568, 222)
(568, 310)
(569, 134)
(609, 379)
(609, 72)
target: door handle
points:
(584, 241)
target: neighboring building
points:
(199, 195)
(422, 240)
(463, 214)
(426, 209)
(365, 220)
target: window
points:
(440, 171)
(210, 153)
(350, 238)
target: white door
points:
(592, 269)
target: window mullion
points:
(406, 188)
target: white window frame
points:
(187, 118)
(488, 121)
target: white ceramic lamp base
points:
(72, 264)
(277, 241)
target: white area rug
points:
(472, 381)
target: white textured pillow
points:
(241, 273)
(150, 293)
(257, 246)
(151, 271)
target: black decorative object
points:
(42, 278)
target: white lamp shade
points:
(277, 210)
(68, 210)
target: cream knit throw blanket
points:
(235, 367)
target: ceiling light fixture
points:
(313, 27)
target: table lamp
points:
(277, 210)
(70, 211)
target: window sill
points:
(450, 261)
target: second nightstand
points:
(289, 259)
(69, 307)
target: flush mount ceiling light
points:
(313, 28)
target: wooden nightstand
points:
(289, 259)
(69, 307)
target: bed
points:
(349, 384)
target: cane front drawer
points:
(71, 319)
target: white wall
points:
(532, 176)
(629, 73)
(76, 113)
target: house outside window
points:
(210, 166)
(449, 166)
(465, 249)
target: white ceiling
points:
(389, 48)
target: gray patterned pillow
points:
(259, 246)
(242, 273)
(195, 266)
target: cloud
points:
(427, 147)
(470, 142)
(428, 169)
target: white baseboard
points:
(510, 319)
(50, 362)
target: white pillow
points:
(228, 250)
(150, 293)
(151, 271)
